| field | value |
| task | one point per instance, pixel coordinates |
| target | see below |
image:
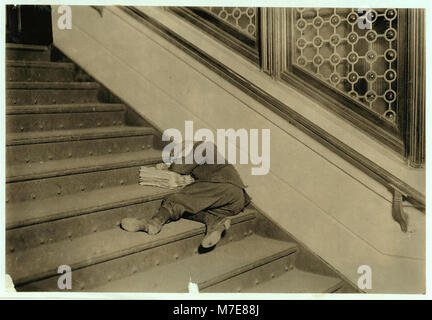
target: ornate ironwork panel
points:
(236, 27)
(354, 51)
(243, 19)
(366, 65)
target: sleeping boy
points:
(217, 194)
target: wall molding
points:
(417, 88)
(246, 46)
(344, 151)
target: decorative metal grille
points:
(243, 19)
(354, 52)
(236, 27)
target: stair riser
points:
(253, 277)
(76, 149)
(76, 226)
(28, 55)
(343, 288)
(39, 74)
(69, 184)
(62, 121)
(99, 274)
(50, 96)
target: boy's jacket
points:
(225, 172)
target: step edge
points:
(10, 226)
(64, 108)
(87, 169)
(79, 135)
(109, 256)
(46, 85)
(250, 266)
(338, 283)
(30, 47)
(39, 64)
(336, 286)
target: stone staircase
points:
(72, 175)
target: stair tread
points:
(65, 108)
(298, 281)
(39, 64)
(53, 168)
(204, 269)
(95, 248)
(91, 249)
(50, 85)
(43, 210)
(32, 137)
(11, 45)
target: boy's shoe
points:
(214, 232)
(152, 226)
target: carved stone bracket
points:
(398, 213)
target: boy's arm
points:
(178, 168)
(187, 168)
(183, 168)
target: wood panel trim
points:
(337, 104)
(270, 41)
(283, 110)
(417, 88)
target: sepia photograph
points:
(160, 149)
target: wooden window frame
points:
(360, 161)
(407, 137)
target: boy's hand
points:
(162, 166)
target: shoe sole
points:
(211, 239)
(132, 225)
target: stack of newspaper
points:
(151, 176)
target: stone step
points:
(24, 93)
(79, 175)
(27, 52)
(76, 183)
(34, 171)
(298, 281)
(100, 257)
(72, 175)
(55, 136)
(63, 117)
(26, 213)
(42, 148)
(221, 265)
(32, 223)
(19, 70)
(64, 108)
